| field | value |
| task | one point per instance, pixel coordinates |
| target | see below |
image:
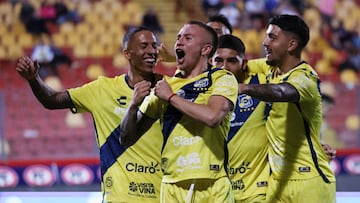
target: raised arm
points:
(283, 92)
(135, 124)
(47, 96)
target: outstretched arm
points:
(47, 96)
(283, 92)
(135, 124)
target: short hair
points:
(221, 19)
(293, 24)
(232, 42)
(214, 37)
(131, 32)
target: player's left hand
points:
(330, 152)
(163, 90)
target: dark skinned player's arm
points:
(48, 97)
(133, 126)
(283, 92)
(134, 123)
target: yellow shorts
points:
(300, 191)
(197, 191)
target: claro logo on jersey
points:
(242, 169)
(185, 141)
(139, 168)
(245, 101)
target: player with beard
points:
(107, 99)
(194, 107)
(249, 168)
(298, 163)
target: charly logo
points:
(139, 168)
(108, 182)
(245, 101)
(238, 185)
(242, 169)
(122, 100)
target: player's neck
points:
(289, 64)
(135, 78)
(198, 69)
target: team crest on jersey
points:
(245, 101)
(204, 82)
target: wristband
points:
(171, 96)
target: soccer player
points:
(129, 174)
(194, 108)
(249, 169)
(220, 24)
(298, 163)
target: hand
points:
(330, 152)
(166, 54)
(163, 90)
(27, 68)
(141, 90)
(242, 88)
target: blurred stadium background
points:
(43, 150)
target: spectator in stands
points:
(232, 13)
(106, 99)
(151, 20)
(48, 56)
(351, 46)
(327, 9)
(63, 14)
(211, 7)
(220, 24)
(47, 11)
(187, 6)
(44, 55)
(29, 18)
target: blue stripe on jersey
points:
(245, 106)
(110, 151)
(189, 92)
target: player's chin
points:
(149, 67)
